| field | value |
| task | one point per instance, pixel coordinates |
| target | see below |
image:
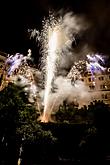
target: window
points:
(92, 87)
(101, 78)
(104, 96)
(89, 79)
(108, 86)
(102, 87)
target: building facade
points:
(98, 85)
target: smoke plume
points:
(74, 48)
(70, 49)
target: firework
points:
(51, 59)
(55, 37)
(13, 62)
(17, 70)
(93, 64)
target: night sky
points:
(16, 18)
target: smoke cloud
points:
(72, 46)
(64, 90)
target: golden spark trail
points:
(50, 68)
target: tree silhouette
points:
(18, 124)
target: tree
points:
(99, 112)
(70, 113)
(18, 124)
(10, 103)
(66, 112)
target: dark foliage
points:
(78, 135)
(18, 125)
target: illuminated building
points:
(99, 89)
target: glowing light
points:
(15, 61)
(17, 70)
(50, 67)
(52, 37)
(93, 65)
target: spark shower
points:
(55, 38)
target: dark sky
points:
(17, 17)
